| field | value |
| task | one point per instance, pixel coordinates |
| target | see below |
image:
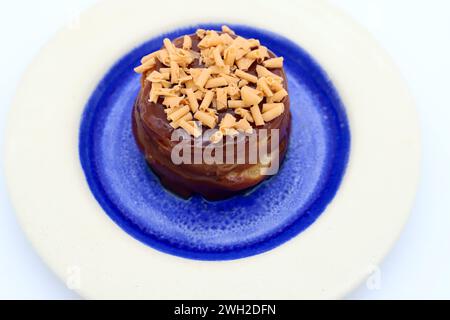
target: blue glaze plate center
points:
(244, 225)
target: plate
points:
(247, 224)
(88, 202)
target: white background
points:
(416, 33)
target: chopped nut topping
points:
(226, 79)
(187, 43)
(263, 72)
(176, 124)
(163, 57)
(169, 46)
(179, 113)
(251, 96)
(149, 56)
(246, 76)
(216, 82)
(274, 63)
(209, 95)
(155, 76)
(227, 29)
(218, 57)
(230, 55)
(221, 98)
(236, 104)
(256, 114)
(147, 65)
(245, 114)
(245, 63)
(274, 83)
(274, 112)
(156, 87)
(244, 125)
(227, 122)
(201, 33)
(269, 106)
(206, 119)
(172, 102)
(193, 103)
(278, 96)
(233, 91)
(226, 38)
(242, 83)
(174, 71)
(230, 132)
(258, 54)
(190, 127)
(231, 79)
(253, 43)
(264, 87)
(203, 77)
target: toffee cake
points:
(232, 87)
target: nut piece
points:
(218, 57)
(187, 43)
(263, 72)
(270, 106)
(221, 81)
(207, 100)
(245, 63)
(174, 71)
(246, 76)
(154, 96)
(169, 46)
(264, 87)
(245, 114)
(256, 114)
(221, 98)
(216, 82)
(236, 104)
(258, 54)
(191, 127)
(193, 103)
(251, 96)
(176, 124)
(179, 113)
(274, 112)
(206, 119)
(244, 125)
(172, 102)
(274, 63)
(226, 29)
(202, 78)
(227, 122)
(278, 96)
(147, 65)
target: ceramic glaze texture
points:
(244, 225)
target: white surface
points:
(417, 266)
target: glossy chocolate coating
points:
(153, 133)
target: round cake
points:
(213, 113)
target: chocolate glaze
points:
(153, 133)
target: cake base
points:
(185, 188)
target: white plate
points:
(85, 248)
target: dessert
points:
(226, 93)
